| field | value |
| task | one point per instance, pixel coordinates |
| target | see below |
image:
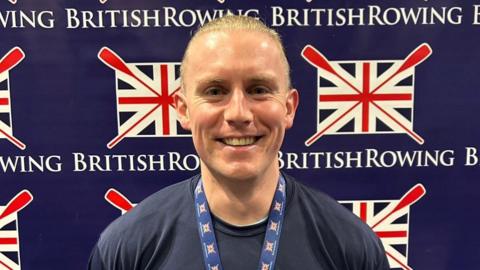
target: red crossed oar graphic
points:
(117, 199)
(9, 61)
(17, 203)
(112, 60)
(115, 62)
(20, 201)
(417, 56)
(317, 59)
(411, 197)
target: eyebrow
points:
(212, 81)
(262, 79)
(268, 80)
(258, 79)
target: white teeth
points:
(239, 141)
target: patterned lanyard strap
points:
(272, 234)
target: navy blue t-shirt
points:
(161, 233)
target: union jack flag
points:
(9, 61)
(9, 239)
(145, 93)
(365, 97)
(118, 200)
(389, 219)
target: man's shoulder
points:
(157, 212)
(322, 207)
(139, 238)
(335, 226)
(316, 200)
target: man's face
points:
(236, 103)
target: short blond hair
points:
(232, 22)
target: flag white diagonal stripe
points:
(144, 92)
(378, 95)
(390, 219)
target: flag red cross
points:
(8, 244)
(383, 234)
(8, 241)
(365, 97)
(386, 225)
(162, 98)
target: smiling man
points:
(241, 212)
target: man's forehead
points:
(230, 40)
(209, 52)
(228, 69)
(212, 48)
(209, 40)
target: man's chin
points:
(241, 175)
(236, 173)
(237, 168)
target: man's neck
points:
(240, 201)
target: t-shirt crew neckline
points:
(241, 231)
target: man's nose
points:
(238, 110)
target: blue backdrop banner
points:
(387, 122)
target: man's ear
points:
(182, 109)
(291, 105)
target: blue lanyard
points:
(271, 242)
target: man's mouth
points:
(243, 141)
